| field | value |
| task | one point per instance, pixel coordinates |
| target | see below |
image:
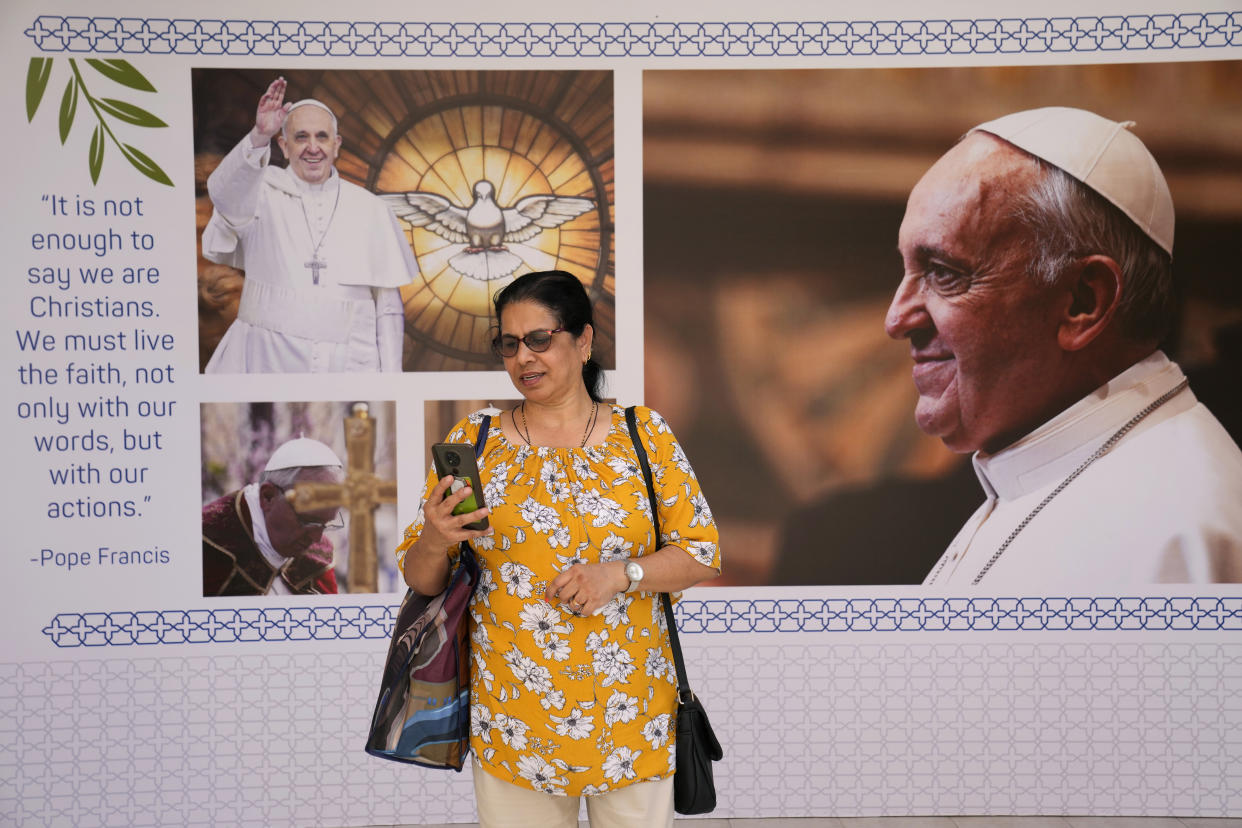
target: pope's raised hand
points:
(270, 116)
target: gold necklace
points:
(525, 428)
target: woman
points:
(573, 690)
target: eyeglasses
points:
(537, 341)
(310, 525)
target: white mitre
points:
(1105, 155)
(301, 452)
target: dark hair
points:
(565, 297)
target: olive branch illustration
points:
(120, 71)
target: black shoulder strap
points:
(484, 427)
(683, 683)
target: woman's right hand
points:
(427, 562)
(441, 528)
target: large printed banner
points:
(727, 182)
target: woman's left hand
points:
(585, 588)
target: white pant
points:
(503, 804)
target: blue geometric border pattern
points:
(750, 39)
(269, 624)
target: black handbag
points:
(422, 714)
(694, 788)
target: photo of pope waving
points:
(323, 257)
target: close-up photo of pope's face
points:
(871, 280)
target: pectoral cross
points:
(316, 264)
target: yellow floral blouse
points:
(558, 703)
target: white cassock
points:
(267, 221)
(1164, 506)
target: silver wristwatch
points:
(633, 571)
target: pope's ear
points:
(1094, 289)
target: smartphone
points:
(457, 459)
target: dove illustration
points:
(485, 227)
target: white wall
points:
(129, 699)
